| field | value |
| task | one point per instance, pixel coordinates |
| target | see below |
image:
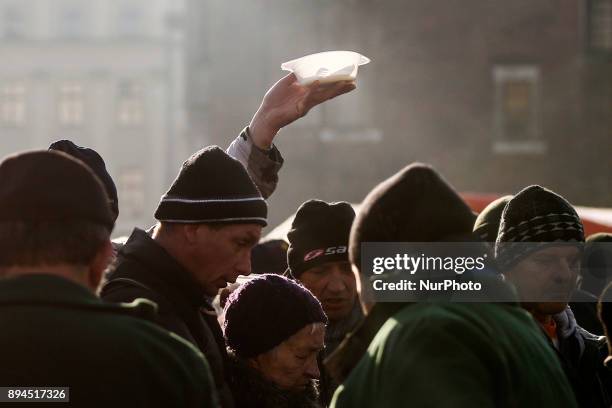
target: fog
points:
(495, 94)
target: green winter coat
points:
(54, 332)
(457, 355)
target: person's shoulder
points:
(126, 289)
(454, 312)
(478, 324)
(126, 280)
(591, 337)
(593, 343)
(158, 349)
(427, 319)
(136, 247)
(132, 331)
(166, 313)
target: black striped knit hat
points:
(212, 187)
(534, 217)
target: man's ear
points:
(360, 281)
(98, 265)
(190, 233)
(254, 362)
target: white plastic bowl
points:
(330, 66)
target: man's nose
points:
(336, 284)
(244, 265)
(566, 272)
(312, 369)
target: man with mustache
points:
(539, 250)
(318, 258)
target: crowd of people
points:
(160, 320)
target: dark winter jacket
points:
(144, 269)
(252, 390)
(584, 307)
(57, 333)
(340, 363)
(581, 355)
(336, 331)
(334, 335)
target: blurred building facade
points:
(495, 94)
(106, 74)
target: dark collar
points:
(52, 291)
(163, 272)
(45, 289)
(253, 390)
(340, 328)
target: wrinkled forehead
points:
(310, 336)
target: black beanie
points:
(50, 186)
(265, 311)
(269, 257)
(212, 187)
(414, 205)
(319, 234)
(95, 162)
(487, 222)
(535, 215)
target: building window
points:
(131, 192)
(600, 25)
(130, 104)
(130, 21)
(71, 22)
(13, 104)
(71, 105)
(13, 22)
(517, 109)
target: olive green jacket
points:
(57, 333)
(457, 355)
